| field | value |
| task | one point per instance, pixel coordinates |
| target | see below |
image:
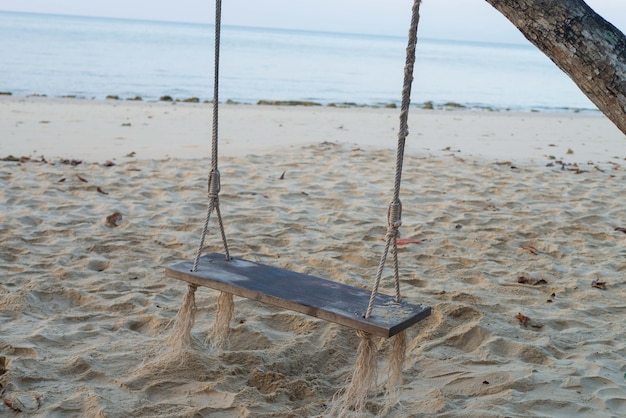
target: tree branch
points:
(590, 50)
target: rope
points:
(216, 81)
(394, 213)
(214, 184)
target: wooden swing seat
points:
(310, 295)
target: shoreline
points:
(53, 128)
(426, 105)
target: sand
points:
(85, 306)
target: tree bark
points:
(590, 50)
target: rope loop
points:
(214, 183)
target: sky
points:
(442, 19)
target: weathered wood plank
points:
(310, 295)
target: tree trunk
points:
(581, 43)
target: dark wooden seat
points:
(321, 298)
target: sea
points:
(92, 58)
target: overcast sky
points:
(443, 19)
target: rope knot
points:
(394, 215)
(393, 232)
(214, 183)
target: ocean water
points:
(94, 57)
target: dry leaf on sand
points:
(113, 219)
(527, 322)
(530, 249)
(599, 284)
(529, 280)
(405, 241)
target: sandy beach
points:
(522, 215)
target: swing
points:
(374, 313)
